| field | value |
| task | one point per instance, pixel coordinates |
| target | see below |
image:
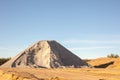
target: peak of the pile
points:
(47, 41)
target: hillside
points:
(105, 62)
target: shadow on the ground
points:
(104, 65)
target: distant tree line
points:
(3, 60)
(113, 55)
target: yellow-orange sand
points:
(60, 74)
(99, 61)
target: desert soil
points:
(61, 74)
(105, 61)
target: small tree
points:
(113, 55)
(3, 60)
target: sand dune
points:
(105, 63)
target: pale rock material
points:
(45, 54)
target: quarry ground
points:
(59, 74)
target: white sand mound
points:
(48, 54)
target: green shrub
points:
(113, 55)
(3, 60)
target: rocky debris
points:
(45, 54)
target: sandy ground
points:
(104, 60)
(65, 74)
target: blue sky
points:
(88, 28)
